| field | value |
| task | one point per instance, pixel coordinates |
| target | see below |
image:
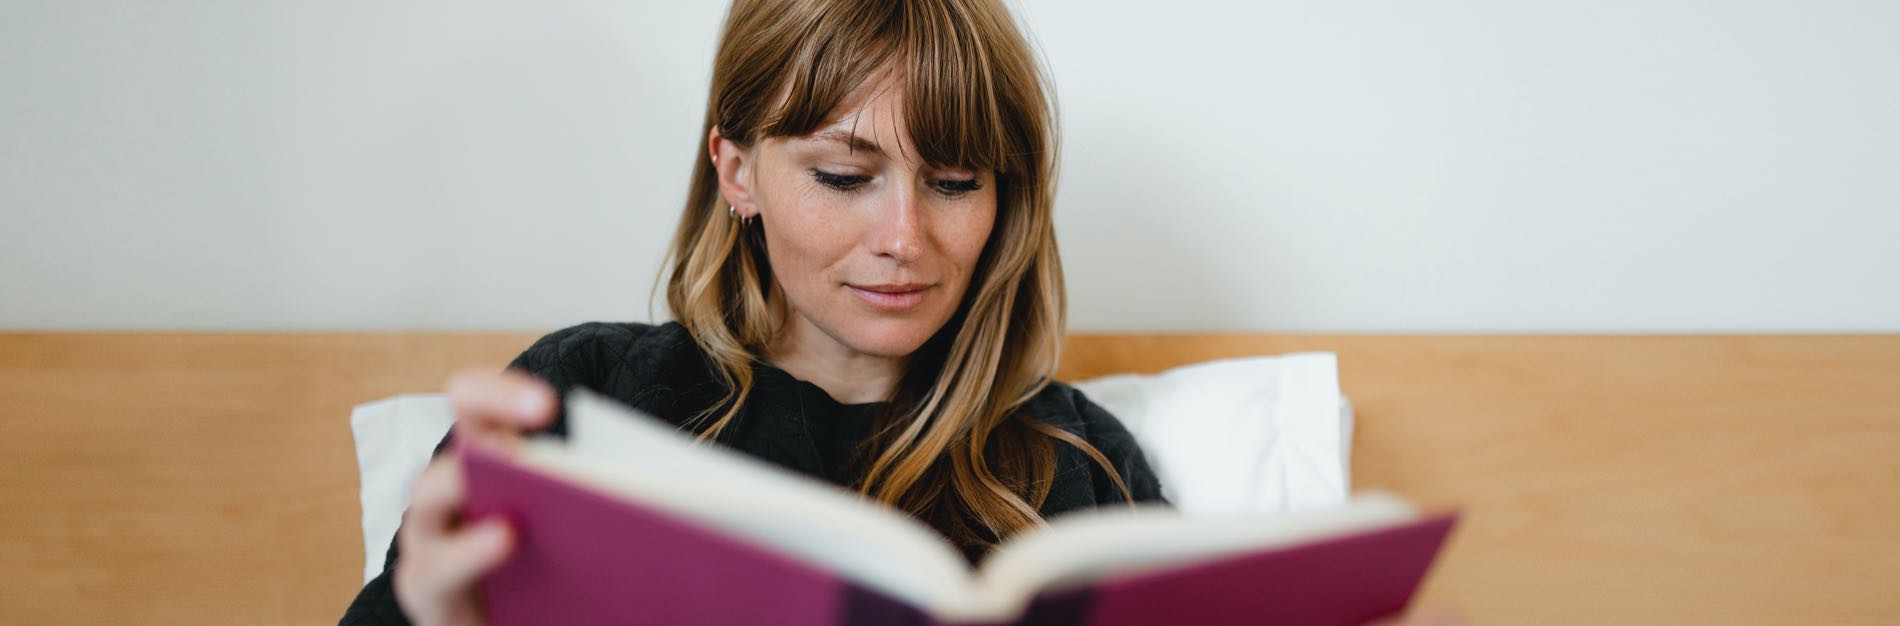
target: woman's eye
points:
(840, 182)
(958, 187)
(848, 182)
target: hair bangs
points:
(828, 67)
(956, 115)
(953, 110)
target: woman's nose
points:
(899, 231)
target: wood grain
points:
(1623, 480)
(193, 478)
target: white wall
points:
(1482, 166)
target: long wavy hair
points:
(953, 445)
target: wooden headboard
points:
(194, 478)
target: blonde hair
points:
(953, 445)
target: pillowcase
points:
(394, 440)
(1265, 434)
(1252, 435)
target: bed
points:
(190, 478)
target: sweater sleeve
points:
(565, 358)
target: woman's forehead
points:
(873, 107)
(873, 123)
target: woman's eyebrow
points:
(855, 142)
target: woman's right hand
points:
(440, 556)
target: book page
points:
(1089, 545)
(614, 449)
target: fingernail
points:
(528, 402)
(498, 528)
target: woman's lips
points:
(895, 297)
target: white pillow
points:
(1252, 435)
(394, 439)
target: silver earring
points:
(732, 211)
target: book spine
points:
(864, 607)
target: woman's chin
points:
(889, 338)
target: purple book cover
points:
(583, 557)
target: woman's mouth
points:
(891, 297)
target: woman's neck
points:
(848, 376)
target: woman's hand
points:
(441, 557)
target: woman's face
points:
(870, 248)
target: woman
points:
(867, 290)
(866, 286)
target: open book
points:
(630, 521)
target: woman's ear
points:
(734, 164)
